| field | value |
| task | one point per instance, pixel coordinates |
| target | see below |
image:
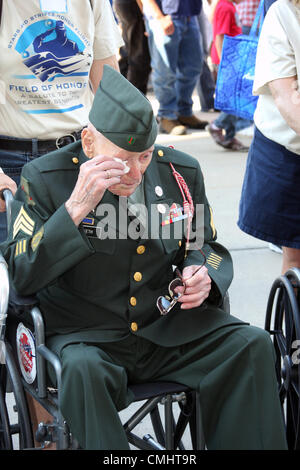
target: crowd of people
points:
(76, 79)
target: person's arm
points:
(164, 20)
(43, 242)
(219, 44)
(140, 5)
(5, 183)
(287, 99)
(96, 71)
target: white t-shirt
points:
(45, 60)
(278, 56)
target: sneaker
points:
(275, 248)
(171, 126)
(216, 134)
(235, 144)
(193, 122)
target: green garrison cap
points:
(122, 113)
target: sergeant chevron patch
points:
(23, 222)
(214, 260)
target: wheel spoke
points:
(280, 342)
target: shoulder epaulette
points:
(66, 158)
(169, 154)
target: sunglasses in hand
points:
(165, 303)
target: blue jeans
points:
(176, 63)
(231, 124)
(12, 163)
(206, 88)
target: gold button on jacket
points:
(141, 250)
(133, 301)
(137, 277)
(134, 326)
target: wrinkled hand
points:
(95, 177)
(6, 183)
(167, 25)
(197, 287)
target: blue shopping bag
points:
(236, 71)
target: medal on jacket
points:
(188, 205)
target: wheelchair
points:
(24, 357)
(282, 321)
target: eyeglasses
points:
(165, 303)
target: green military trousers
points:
(232, 368)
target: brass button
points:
(134, 326)
(132, 301)
(179, 243)
(75, 160)
(137, 276)
(160, 153)
(140, 250)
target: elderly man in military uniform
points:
(112, 311)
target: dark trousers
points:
(232, 368)
(135, 60)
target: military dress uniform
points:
(98, 295)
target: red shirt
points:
(225, 21)
(247, 11)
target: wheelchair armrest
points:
(19, 303)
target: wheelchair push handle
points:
(7, 195)
(4, 295)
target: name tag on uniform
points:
(57, 6)
(90, 229)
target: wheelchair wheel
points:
(15, 425)
(283, 323)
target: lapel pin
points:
(161, 208)
(158, 191)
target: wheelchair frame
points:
(168, 435)
(282, 321)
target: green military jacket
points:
(97, 288)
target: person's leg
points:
(206, 84)
(290, 258)
(227, 122)
(206, 88)
(189, 67)
(133, 32)
(223, 130)
(233, 370)
(11, 163)
(164, 55)
(93, 390)
(242, 123)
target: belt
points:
(35, 145)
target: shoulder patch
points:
(37, 238)
(25, 187)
